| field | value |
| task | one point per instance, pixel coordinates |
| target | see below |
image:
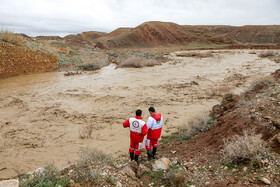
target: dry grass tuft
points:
(266, 54)
(85, 173)
(136, 62)
(196, 126)
(86, 131)
(89, 156)
(95, 64)
(10, 37)
(244, 148)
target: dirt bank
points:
(42, 115)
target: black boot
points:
(132, 156)
(149, 153)
(154, 152)
(136, 158)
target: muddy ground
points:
(42, 116)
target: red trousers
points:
(150, 143)
(135, 146)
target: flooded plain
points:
(43, 116)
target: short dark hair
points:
(138, 112)
(152, 109)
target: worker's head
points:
(138, 112)
(152, 110)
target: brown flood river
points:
(43, 115)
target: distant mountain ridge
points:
(156, 34)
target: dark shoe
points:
(150, 156)
(136, 158)
(154, 152)
(132, 156)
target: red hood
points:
(156, 116)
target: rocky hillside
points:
(154, 34)
(168, 34)
(151, 34)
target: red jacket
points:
(138, 128)
(154, 125)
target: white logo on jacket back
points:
(136, 125)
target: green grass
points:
(50, 176)
(203, 45)
(174, 138)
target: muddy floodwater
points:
(43, 116)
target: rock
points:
(217, 111)
(265, 180)
(9, 183)
(133, 165)
(232, 180)
(142, 169)
(127, 170)
(262, 107)
(119, 184)
(188, 165)
(267, 117)
(161, 164)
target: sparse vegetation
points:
(265, 54)
(10, 37)
(88, 156)
(195, 54)
(48, 176)
(96, 64)
(136, 62)
(196, 126)
(84, 172)
(244, 148)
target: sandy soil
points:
(43, 115)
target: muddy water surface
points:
(42, 116)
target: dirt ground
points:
(43, 115)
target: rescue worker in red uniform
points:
(138, 129)
(154, 125)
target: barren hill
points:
(153, 34)
(167, 34)
(85, 37)
(150, 34)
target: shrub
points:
(266, 54)
(10, 37)
(49, 176)
(244, 148)
(197, 126)
(89, 66)
(89, 156)
(85, 173)
(136, 62)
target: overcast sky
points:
(62, 17)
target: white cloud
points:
(62, 17)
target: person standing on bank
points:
(154, 125)
(138, 129)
